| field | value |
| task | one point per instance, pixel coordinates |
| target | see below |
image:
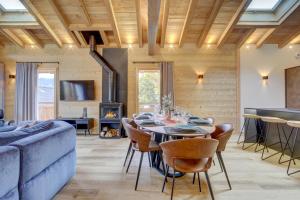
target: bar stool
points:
(271, 121)
(245, 128)
(294, 125)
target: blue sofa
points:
(43, 162)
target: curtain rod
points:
(39, 62)
(136, 62)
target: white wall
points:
(268, 60)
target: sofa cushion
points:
(9, 169)
(11, 195)
(41, 150)
(7, 128)
(11, 136)
(38, 127)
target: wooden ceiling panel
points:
(48, 13)
(201, 14)
(125, 13)
(42, 35)
(225, 14)
(236, 35)
(177, 13)
(257, 35)
(97, 11)
(71, 11)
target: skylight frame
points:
(11, 10)
(265, 9)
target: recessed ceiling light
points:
(290, 46)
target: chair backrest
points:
(222, 133)
(193, 148)
(128, 121)
(139, 138)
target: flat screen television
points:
(77, 90)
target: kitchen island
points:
(254, 130)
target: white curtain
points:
(166, 77)
(26, 91)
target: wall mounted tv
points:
(77, 90)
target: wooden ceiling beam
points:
(32, 9)
(289, 38)
(80, 38)
(188, 18)
(104, 38)
(245, 37)
(85, 12)
(244, 4)
(33, 38)
(113, 21)
(139, 22)
(63, 21)
(13, 38)
(212, 16)
(164, 23)
(265, 36)
(153, 21)
(93, 27)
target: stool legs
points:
(244, 125)
(266, 142)
(246, 129)
(292, 155)
(287, 145)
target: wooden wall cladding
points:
(292, 84)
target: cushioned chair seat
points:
(9, 171)
(153, 146)
(188, 165)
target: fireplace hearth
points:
(110, 120)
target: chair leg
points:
(220, 162)
(138, 175)
(149, 158)
(194, 177)
(128, 152)
(199, 182)
(209, 186)
(173, 184)
(238, 141)
(130, 160)
(165, 179)
(292, 155)
(223, 165)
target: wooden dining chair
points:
(222, 133)
(126, 121)
(192, 155)
(141, 141)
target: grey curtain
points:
(26, 91)
(166, 79)
(2, 85)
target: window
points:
(12, 5)
(263, 5)
(148, 90)
(46, 94)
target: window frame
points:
(52, 69)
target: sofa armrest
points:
(9, 169)
(41, 150)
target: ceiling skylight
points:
(12, 5)
(263, 5)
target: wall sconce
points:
(265, 78)
(11, 76)
(200, 76)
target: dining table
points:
(165, 129)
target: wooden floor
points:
(100, 176)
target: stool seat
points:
(273, 120)
(295, 124)
(251, 116)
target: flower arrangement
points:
(167, 104)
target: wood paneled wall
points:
(215, 95)
(74, 64)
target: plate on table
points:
(185, 128)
